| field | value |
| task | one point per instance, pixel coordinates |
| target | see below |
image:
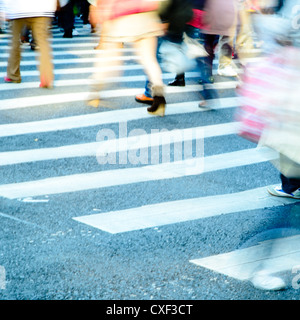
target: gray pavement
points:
(84, 219)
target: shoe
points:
(8, 80)
(278, 192)
(142, 98)
(46, 86)
(202, 104)
(46, 82)
(93, 99)
(33, 46)
(68, 35)
(75, 32)
(177, 82)
(93, 103)
(265, 281)
(25, 39)
(158, 106)
(227, 71)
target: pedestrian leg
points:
(106, 66)
(40, 30)
(146, 49)
(13, 65)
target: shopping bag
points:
(194, 48)
(256, 96)
(174, 57)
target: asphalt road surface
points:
(111, 203)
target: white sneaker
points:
(264, 281)
(227, 71)
(75, 32)
(86, 27)
(278, 192)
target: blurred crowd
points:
(177, 36)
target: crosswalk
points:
(73, 60)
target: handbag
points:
(194, 48)
(174, 57)
(269, 95)
(255, 97)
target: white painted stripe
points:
(68, 45)
(273, 256)
(34, 101)
(88, 70)
(92, 70)
(102, 118)
(166, 213)
(90, 60)
(69, 61)
(109, 178)
(115, 145)
(123, 79)
(28, 54)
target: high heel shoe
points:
(158, 106)
(93, 103)
(93, 99)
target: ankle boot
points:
(159, 103)
(179, 81)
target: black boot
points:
(179, 81)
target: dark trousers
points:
(67, 17)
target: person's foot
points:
(8, 80)
(278, 192)
(68, 34)
(264, 281)
(142, 98)
(177, 82)
(227, 71)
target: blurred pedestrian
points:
(37, 15)
(67, 17)
(212, 19)
(176, 13)
(283, 130)
(2, 17)
(136, 22)
(278, 100)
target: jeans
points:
(205, 64)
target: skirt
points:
(132, 27)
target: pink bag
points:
(261, 85)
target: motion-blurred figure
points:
(37, 15)
(282, 131)
(2, 17)
(66, 16)
(176, 13)
(134, 21)
(239, 43)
